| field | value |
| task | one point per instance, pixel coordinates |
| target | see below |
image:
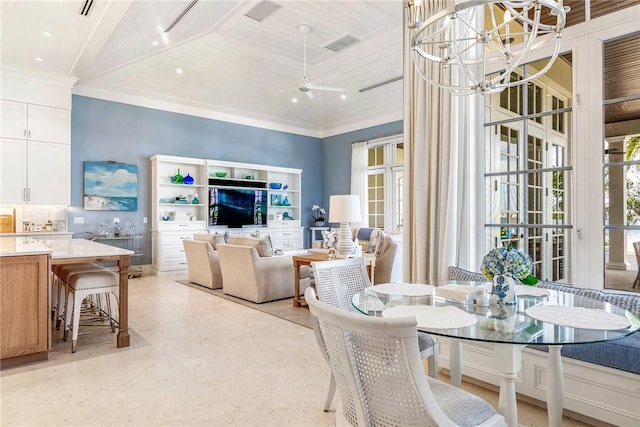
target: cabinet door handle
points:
(24, 133)
(29, 194)
(24, 194)
(29, 133)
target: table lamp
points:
(344, 208)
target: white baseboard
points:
(605, 394)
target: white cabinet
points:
(174, 214)
(13, 171)
(49, 175)
(34, 172)
(13, 119)
(166, 245)
(35, 122)
(35, 154)
(286, 239)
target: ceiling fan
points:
(305, 86)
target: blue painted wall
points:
(336, 157)
(104, 130)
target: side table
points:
(314, 234)
(299, 261)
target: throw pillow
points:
(262, 245)
(329, 239)
(375, 241)
(380, 247)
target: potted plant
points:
(318, 215)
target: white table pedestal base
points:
(455, 363)
(508, 361)
(555, 386)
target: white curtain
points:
(441, 157)
(359, 177)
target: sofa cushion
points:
(618, 354)
(263, 245)
(213, 239)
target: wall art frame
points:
(110, 186)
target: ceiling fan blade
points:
(310, 94)
(329, 88)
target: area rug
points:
(283, 308)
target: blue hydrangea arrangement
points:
(508, 261)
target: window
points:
(527, 172)
(385, 182)
(621, 172)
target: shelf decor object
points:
(345, 208)
(110, 186)
(177, 178)
(456, 45)
(188, 180)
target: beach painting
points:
(110, 186)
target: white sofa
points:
(247, 275)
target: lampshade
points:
(344, 208)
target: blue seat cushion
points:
(623, 353)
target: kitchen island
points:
(24, 301)
(25, 295)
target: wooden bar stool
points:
(82, 285)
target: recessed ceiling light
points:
(156, 43)
(294, 100)
(47, 34)
(39, 59)
(343, 96)
(179, 70)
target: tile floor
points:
(195, 359)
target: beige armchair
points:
(202, 261)
(388, 267)
(248, 276)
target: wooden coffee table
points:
(307, 259)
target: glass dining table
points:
(459, 310)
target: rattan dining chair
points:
(379, 376)
(336, 282)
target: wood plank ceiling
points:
(234, 67)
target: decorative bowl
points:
(275, 185)
(221, 174)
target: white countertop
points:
(37, 234)
(16, 246)
(58, 248)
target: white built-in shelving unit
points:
(173, 222)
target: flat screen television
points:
(237, 207)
